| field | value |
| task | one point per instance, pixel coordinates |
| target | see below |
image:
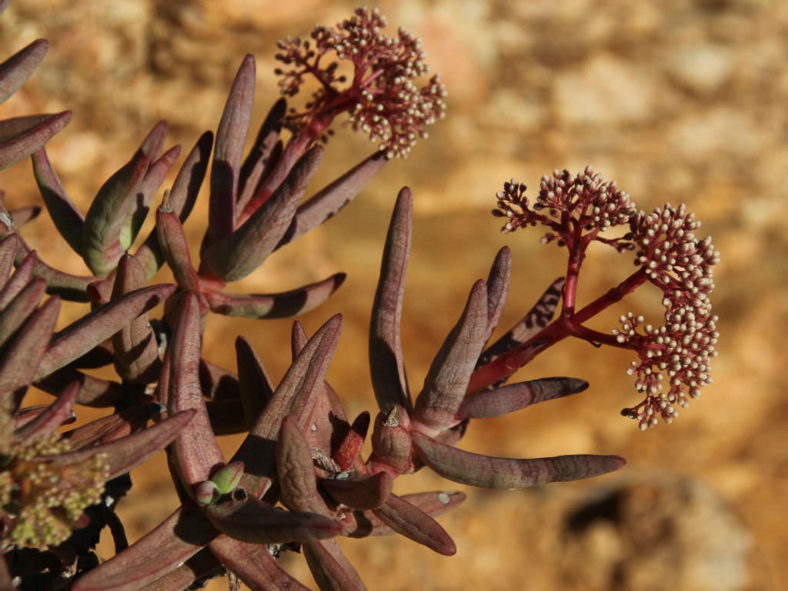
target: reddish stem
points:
(505, 365)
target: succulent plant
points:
(298, 479)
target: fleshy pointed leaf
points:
(497, 287)
(114, 426)
(331, 568)
(108, 213)
(493, 472)
(238, 254)
(297, 482)
(254, 565)
(255, 521)
(392, 446)
(278, 305)
(332, 198)
(175, 540)
(8, 246)
(303, 377)
(432, 503)
(261, 152)
(96, 392)
(21, 136)
(127, 452)
(494, 403)
(412, 522)
(175, 247)
(348, 452)
(22, 215)
(230, 140)
(535, 320)
(181, 200)
(65, 215)
(218, 383)
(367, 492)
(386, 361)
(146, 192)
(202, 566)
(23, 354)
(447, 380)
(17, 69)
(53, 417)
(136, 355)
(19, 309)
(77, 339)
(196, 450)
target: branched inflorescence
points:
(668, 255)
(382, 96)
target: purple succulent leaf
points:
(230, 140)
(410, 521)
(65, 215)
(392, 445)
(179, 537)
(360, 493)
(99, 325)
(253, 384)
(17, 69)
(294, 466)
(95, 392)
(23, 353)
(256, 522)
(136, 355)
(145, 194)
(21, 136)
(535, 320)
(181, 200)
(218, 383)
(329, 200)
(187, 183)
(493, 472)
(432, 503)
(8, 246)
(330, 567)
(386, 362)
(196, 450)
(447, 380)
(298, 339)
(114, 426)
(22, 215)
(238, 254)
(254, 565)
(307, 371)
(153, 143)
(125, 453)
(70, 287)
(497, 288)
(175, 247)
(276, 305)
(20, 308)
(19, 280)
(201, 566)
(500, 401)
(109, 213)
(261, 154)
(56, 414)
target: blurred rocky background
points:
(678, 100)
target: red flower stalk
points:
(668, 255)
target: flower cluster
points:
(668, 255)
(681, 266)
(574, 204)
(382, 97)
(42, 500)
